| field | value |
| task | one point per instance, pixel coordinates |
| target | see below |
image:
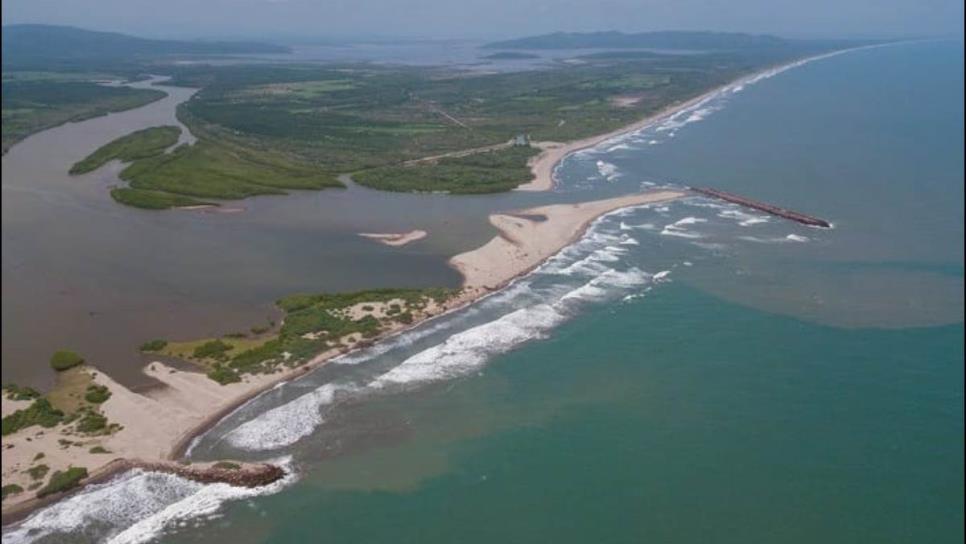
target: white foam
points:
(608, 170)
(671, 230)
(689, 221)
(619, 147)
(744, 219)
(136, 507)
(285, 424)
(775, 240)
(468, 350)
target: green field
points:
(489, 172)
(137, 145)
(34, 101)
(372, 121)
(210, 169)
(266, 129)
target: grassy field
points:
(371, 120)
(489, 172)
(210, 169)
(154, 200)
(266, 129)
(34, 101)
(137, 145)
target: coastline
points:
(542, 166)
(523, 243)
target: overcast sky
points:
(491, 18)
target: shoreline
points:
(543, 165)
(522, 244)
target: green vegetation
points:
(97, 394)
(92, 422)
(383, 124)
(489, 172)
(69, 390)
(63, 359)
(215, 170)
(98, 449)
(38, 472)
(75, 398)
(40, 412)
(154, 345)
(313, 324)
(63, 481)
(32, 105)
(16, 392)
(213, 349)
(153, 200)
(227, 465)
(223, 375)
(10, 489)
(137, 145)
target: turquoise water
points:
(686, 373)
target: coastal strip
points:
(543, 165)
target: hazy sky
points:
(491, 18)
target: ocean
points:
(688, 372)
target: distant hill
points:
(644, 40)
(511, 55)
(28, 44)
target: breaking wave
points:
(136, 507)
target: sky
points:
(490, 18)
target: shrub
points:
(223, 375)
(63, 481)
(99, 449)
(63, 359)
(38, 472)
(154, 345)
(41, 412)
(97, 393)
(214, 349)
(11, 489)
(91, 422)
(15, 392)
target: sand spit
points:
(529, 237)
(395, 239)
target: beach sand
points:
(529, 237)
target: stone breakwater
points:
(239, 475)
